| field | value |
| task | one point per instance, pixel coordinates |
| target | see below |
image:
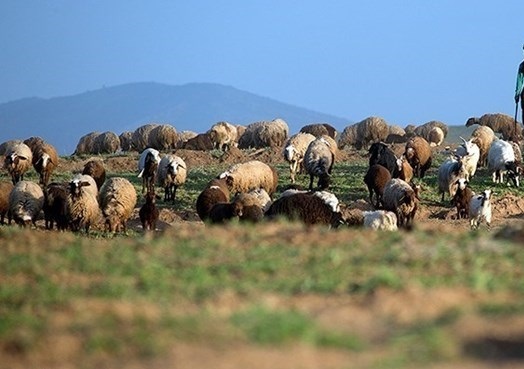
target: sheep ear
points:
(22, 157)
(182, 166)
(84, 183)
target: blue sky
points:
(407, 61)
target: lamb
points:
(425, 129)
(480, 209)
(400, 198)
(223, 135)
(86, 144)
(483, 136)
(149, 213)
(106, 143)
(201, 142)
(294, 151)
(55, 206)
(470, 153)
(501, 158)
(25, 203)
(499, 123)
(172, 173)
(318, 162)
(95, 168)
(380, 220)
(249, 176)
(215, 192)
(117, 200)
(320, 129)
(308, 208)
(371, 129)
(5, 191)
(449, 173)
(418, 154)
(376, 178)
(252, 207)
(222, 212)
(435, 136)
(381, 154)
(462, 198)
(82, 205)
(18, 161)
(126, 141)
(147, 168)
(45, 160)
(264, 134)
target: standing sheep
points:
(25, 203)
(17, 161)
(480, 209)
(348, 137)
(223, 135)
(55, 206)
(405, 171)
(106, 143)
(5, 191)
(381, 154)
(162, 137)
(95, 168)
(483, 137)
(318, 162)
(499, 123)
(371, 129)
(215, 192)
(375, 179)
(45, 161)
(126, 141)
(82, 205)
(86, 144)
(141, 136)
(149, 213)
(462, 198)
(117, 202)
(418, 154)
(400, 198)
(294, 151)
(501, 158)
(470, 153)
(449, 173)
(249, 176)
(147, 168)
(172, 173)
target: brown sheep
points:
(376, 178)
(45, 161)
(5, 191)
(149, 213)
(418, 154)
(95, 168)
(499, 123)
(215, 192)
(320, 129)
(201, 142)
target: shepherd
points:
(519, 91)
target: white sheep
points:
(147, 168)
(249, 176)
(18, 160)
(172, 173)
(483, 136)
(223, 135)
(25, 203)
(400, 198)
(294, 151)
(480, 209)
(501, 158)
(264, 134)
(380, 220)
(318, 162)
(117, 200)
(470, 153)
(92, 188)
(82, 206)
(448, 173)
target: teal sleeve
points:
(520, 84)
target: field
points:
(273, 295)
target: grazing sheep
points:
(425, 129)
(45, 160)
(141, 135)
(252, 210)
(17, 161)
(223, 135)
(215, 192)
(264, 134)
(55, 206)
(82, 205)
(418, 154)
(348, 137)
(294, 151)
(86, 144)
(381, 154)
(306, 207)
(201, 142)
(25, 203)
(483, 137)
(435, 136)
(470, 153)
(462, 198)
(172, 173)
(380, 220)
(117, 201)
(501, 158)
(95, 168)
(400, 198)
(183, 137)
(249, 176)
(371, 129)
(405, 170)
(320, 129)
(499, 123)
(376, 178)
(480, 209)
(149, 213)
(106, 143)
(147, 168)
(318, 162)
(5, 191)
(126, 141)
(262, 197)
(162, 137)
(449, 173)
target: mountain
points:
(195, 106)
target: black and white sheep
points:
(82, 205)
(381, 154)
(318, 162)
(95, 168)
(449, 172)
(418, 154)
(18, 161)
(25, 203)
(499, 123)
(149, 213)
(223, 135)
(400, 198)
(171, 174)
(251, 175)
(501, 158)
(480, 209)
(147, 168)
(294, 151)
(55, 206)
(375, 179)
(117, 199)
(462, 198)
(5, 191)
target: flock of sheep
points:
(245, 190)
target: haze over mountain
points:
(195, 106)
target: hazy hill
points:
(196, 106)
